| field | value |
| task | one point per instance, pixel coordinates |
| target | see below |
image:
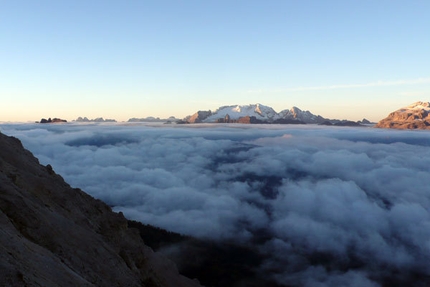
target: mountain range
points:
(256, 113)
(414, 116)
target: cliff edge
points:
(54, 235)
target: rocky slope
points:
(414, 116)
(55, 235)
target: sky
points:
(124, 59)
(325, 206)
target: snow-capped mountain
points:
(258, 112)
(414, 116)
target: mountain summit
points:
(414, 116)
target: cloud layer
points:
(335, 206)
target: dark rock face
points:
(54, 235)
(341, 123)
(54, 120)
(347, 123)
(216, 264)
(289, 121)
(326, 123)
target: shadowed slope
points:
(54, 235)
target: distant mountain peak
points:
(414, 116)
(96, 120)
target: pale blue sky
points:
(123, 59)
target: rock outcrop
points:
(54, 235)
(414, 116)
(198, 117)
(54, 120)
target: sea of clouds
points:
(328, 206)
